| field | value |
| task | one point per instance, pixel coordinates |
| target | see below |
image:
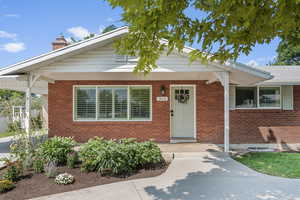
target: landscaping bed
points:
(35, 185)
(44, 167)
(283, 164)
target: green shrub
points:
(119, 157)
(56, 149)
(14, 127)
(6, 185)
(72, 159)
(38, 165)
(13, 172)
(23, 148)
(50, 169)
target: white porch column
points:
(226, 111)
(28, 104)
(31, 79)
(224, 79)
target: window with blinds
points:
(112, 103)
(139, 103)
(85, 101)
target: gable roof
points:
(48, 58)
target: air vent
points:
(126, 59)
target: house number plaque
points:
(162, 99)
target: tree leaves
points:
(225, 29)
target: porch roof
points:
(282, 75)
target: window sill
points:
(138, 120)
(258, 110)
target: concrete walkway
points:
(195, 176)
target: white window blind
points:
(85, 101)
(120, 103)
(139, 103)
(105, 103)
(112, 103)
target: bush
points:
(14, 127)
(72, 159)
(23, 148)
(64, 179)
(38, 165)
(13, 172)
(6, 185)
(56, 149)
(124, 156)
(50, 169)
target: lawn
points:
(6, 134)
(282, 164)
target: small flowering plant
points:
(64, 179)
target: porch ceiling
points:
(19, 83)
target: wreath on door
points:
(182, 96)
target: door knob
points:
(172, 113)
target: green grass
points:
(273, 163)
(6, 134)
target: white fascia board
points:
(63, 51)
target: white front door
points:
(182, 112)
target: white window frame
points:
(111, 86)
(258, 103)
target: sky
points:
(27, 27)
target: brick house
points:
(92, 91)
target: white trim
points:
(128, 103)
(62, 51)
(195, 107)
(38, 61)
(257, 91)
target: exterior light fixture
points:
(162, 90)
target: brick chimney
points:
(60, 42)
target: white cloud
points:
(12, 15)
(252, 63)
(7, 35)
(14, 47)
(79, 32)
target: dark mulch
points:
(35, 185)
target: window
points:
(85, 100)
(269, 97)
(246, 97)
(139, 103)
(112, 103)
(258, 97)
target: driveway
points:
(195, 176)
(4, 148)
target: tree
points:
(91, 35)
(287, 54)
(225, 29)
(9, 94)
(109, 28)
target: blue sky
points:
(27, 27)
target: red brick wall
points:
(271, 126)
(246, 126)
(209, 113)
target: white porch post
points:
(31, 79)
(224, 79)
(226, 111)
(28, 104)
